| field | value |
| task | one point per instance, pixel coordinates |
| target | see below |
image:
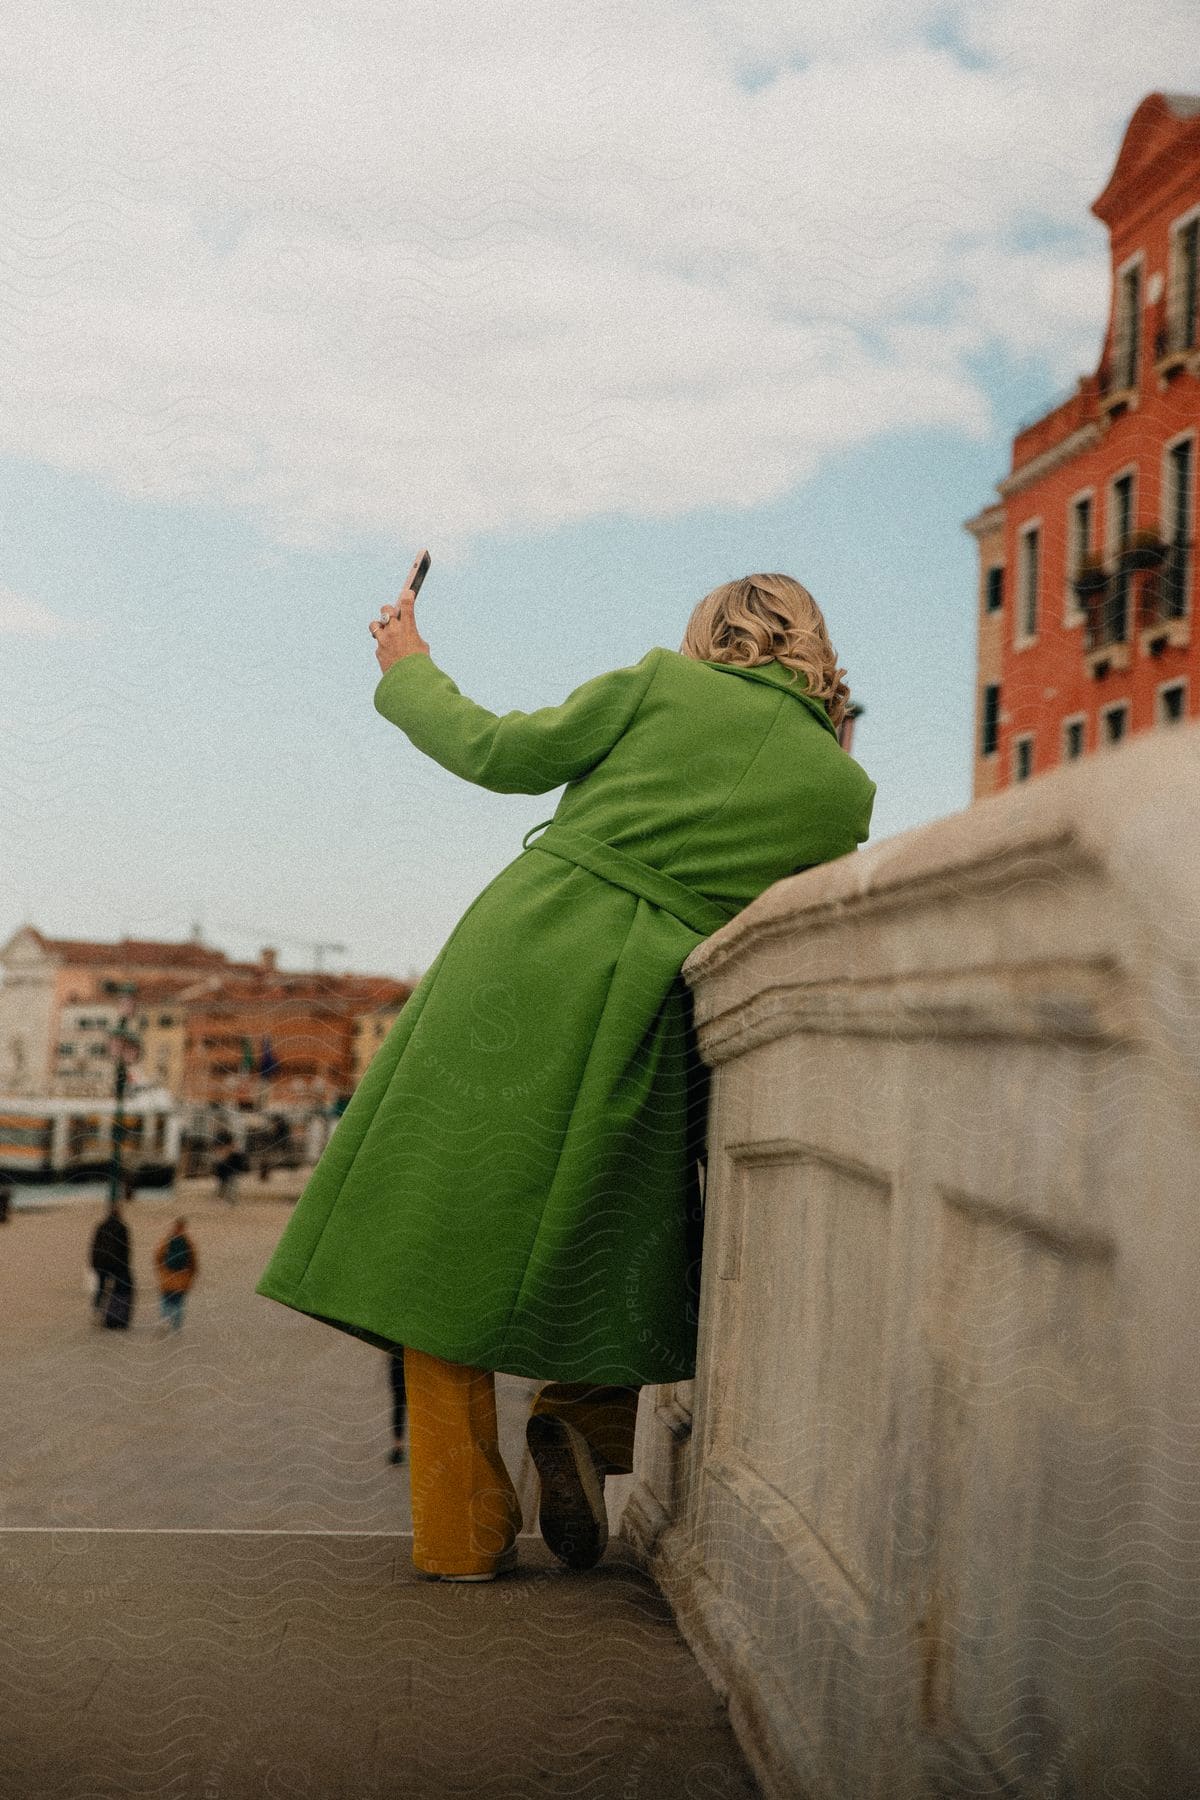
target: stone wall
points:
(930, 1513)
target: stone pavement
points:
(252, 1416)
(233, 1667)
(206, 1590)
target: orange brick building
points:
(309, 1024)
(1087, 583)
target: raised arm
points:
(516, 752)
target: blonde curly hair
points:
(769, 617)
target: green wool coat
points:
(513, 1184)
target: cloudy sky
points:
(606, 303)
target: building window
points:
(995, 588)
(991, 719)
(1172, 702)
(1120, 530)
(1114, 722)
(1029, 564)
(1176, 571)
(1072, 739)
(1184, 285)
(1079, 547)
(1127, 337)
(1023, 757)
(1120, 513)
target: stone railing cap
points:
(1129, 808)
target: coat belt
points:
(694, 910)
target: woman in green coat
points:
(513, 1184)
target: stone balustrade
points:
(929, 1514)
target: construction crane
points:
(318, 946)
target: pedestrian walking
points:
(514, 1184)
(178, 1266)
(227, 1171)
(399, 1403)
(110, 1259)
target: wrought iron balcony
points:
(1143, 549)
(1177, 339)
(1117, 381)
(1165, 591)
(1106, 611)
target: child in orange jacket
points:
(178, 1266)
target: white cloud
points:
(20, 617)
(458, 268)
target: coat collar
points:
(778, 675)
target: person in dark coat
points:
(234, 1163)
(114, 1270)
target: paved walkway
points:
(219, 1667)
(206, 1591)
(251, 1416)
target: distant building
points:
(81, 1057)
(81, 1060)
(160, 1023)
(1087, 582)
(210, 1029)
(284, 1040)
(368, 1033)
(51, 982)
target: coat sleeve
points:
(516, 752)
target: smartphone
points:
(418, 572)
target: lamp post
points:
(124, 1047)
(846, 729)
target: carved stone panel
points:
(1031, 1466)
(805, 1394)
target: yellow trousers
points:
(465, 1508)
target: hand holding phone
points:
(410, 638)
(417, 573)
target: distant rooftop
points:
(198, 969)
(147, 951)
